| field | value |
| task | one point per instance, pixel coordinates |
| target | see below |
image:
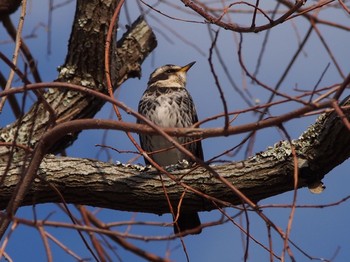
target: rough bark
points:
(84, 66)
(118, 186)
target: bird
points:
(167, 103)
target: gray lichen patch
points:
(280, 151)
(66, 72)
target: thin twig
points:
(16, 51)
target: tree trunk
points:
(84, 66)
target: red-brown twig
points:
(234, 27)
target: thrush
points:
(167, 103)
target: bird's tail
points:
(188, 221)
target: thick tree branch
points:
(132, 49)
(81, 181)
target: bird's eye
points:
(169, 71)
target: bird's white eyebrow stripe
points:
(161, 76)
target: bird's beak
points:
(187, 67)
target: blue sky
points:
(319, 232)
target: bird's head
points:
(169, 76)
